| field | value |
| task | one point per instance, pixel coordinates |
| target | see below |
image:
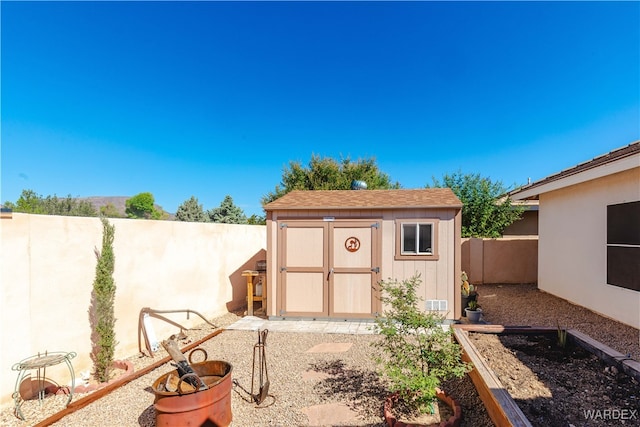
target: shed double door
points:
(328, 268)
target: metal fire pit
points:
(194, 408)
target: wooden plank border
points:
(625, 363)
(501, 407)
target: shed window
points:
(416, 239)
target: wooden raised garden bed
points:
(615, 370)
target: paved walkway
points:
(253, 323)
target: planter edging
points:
(126, 365)
(453, 421)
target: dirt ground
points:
(558, 386)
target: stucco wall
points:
(48, 266)
(509, 259)
(573, 245)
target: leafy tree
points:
(256, 220)
(191, 211)
(101, 312)
(28, 202)
(110, 211)
(228, 213)
(142, 205)
(33, 203)
(486, 212)
(329, 174)
(68, 206)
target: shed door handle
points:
(329, 273)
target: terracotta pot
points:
(197, 408)
(453, 421)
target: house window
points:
(623, 245)
(416, 239)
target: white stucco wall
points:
(47, 268)
(572, 252)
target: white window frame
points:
(401, 253)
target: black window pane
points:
(623, 267)
(409, 238)
(623, 224)
(425, 238)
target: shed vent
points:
(437, 305)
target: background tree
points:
(101, 311)
(28, 202)
(257, 220)
(329, 174)
(110, 211)
(227, 213)
(142, 205)
(191, 211)
(486, 211)
(33, 203)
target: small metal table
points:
(40, 362)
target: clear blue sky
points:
(207, 99)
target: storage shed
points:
(327, 250)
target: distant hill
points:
(119, 202)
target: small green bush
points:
(415, 353)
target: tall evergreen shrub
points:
(101, 312)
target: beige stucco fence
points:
(48, 267)
(506, 260)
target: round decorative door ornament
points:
(352, 244)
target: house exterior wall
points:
(527, 225)
(572, 253)
(438, 276)
(47, 268)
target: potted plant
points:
(469, 292)
(416, 351)
(473, 311)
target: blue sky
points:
(209, 99)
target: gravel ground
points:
(526, 305)
(300, 379)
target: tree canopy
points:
(486, 211)
(142, 205)
(329, 174)
(191, 211)
(228, 213)
(33, 203)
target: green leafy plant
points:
(473, 305)
(101, 312)
(142, 205)
(416, 352)
(486, 212)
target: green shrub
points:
(416, 352)
(101, 312)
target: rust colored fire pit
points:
(197, 407)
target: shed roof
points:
(366, 199)
(580, 173)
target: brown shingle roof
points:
(366, 199)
